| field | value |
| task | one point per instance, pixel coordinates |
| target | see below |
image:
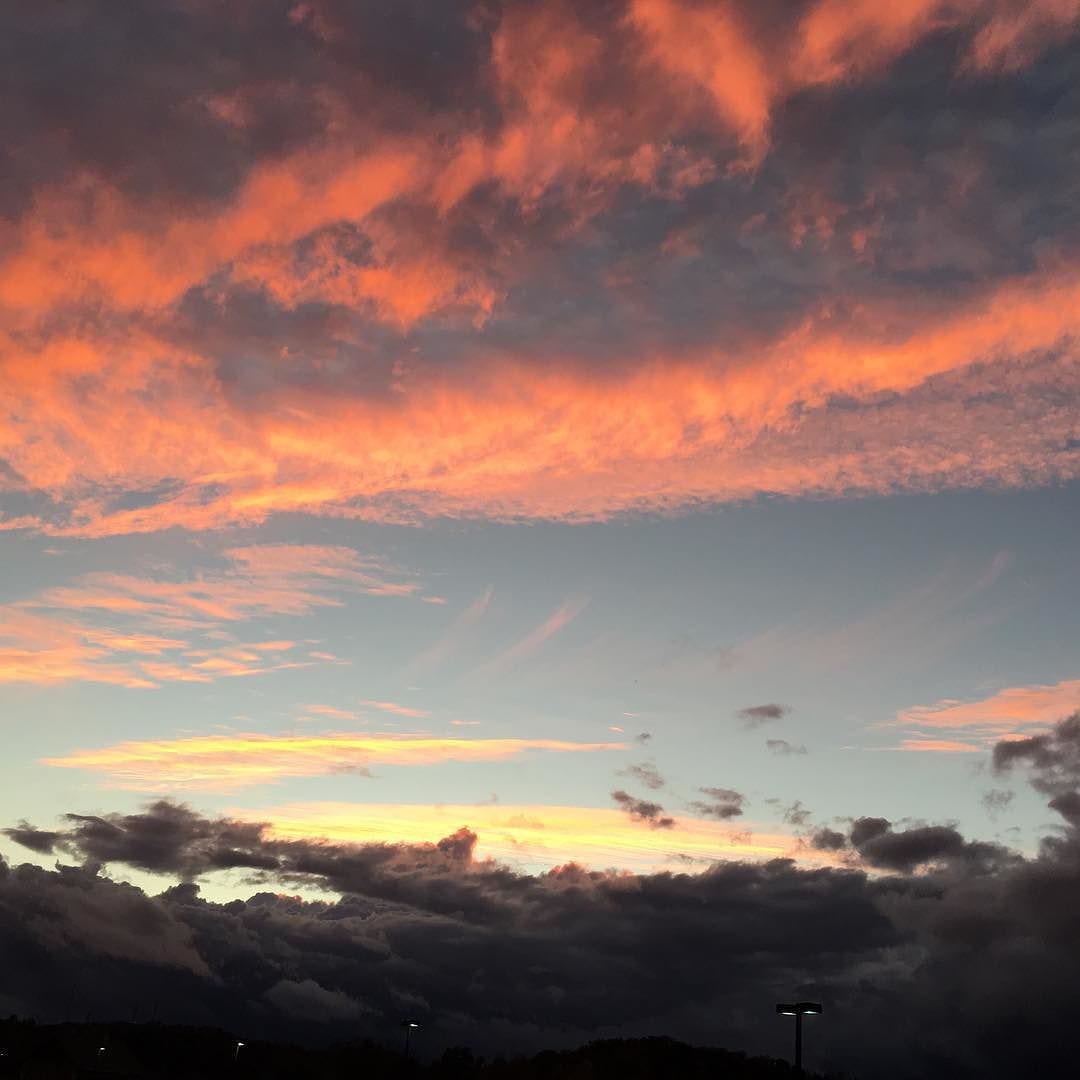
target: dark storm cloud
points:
(652, 814)
(904, 851)
(503, 960)
(44, 843)
(826, 839)
(1053, 759)
(723, 803)
(755, 715)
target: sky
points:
(532, 452)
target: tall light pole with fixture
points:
(410, 1026)
(236, 1052)
(799, 1009)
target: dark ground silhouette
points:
(69, 1051)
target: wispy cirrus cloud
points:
(534, 640)
(142, 631)
(941, 746)
(975, 724)
(451, 638)
(396, 709)
(232, 761)
(330, 712)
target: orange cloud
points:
(140, 631)
(228, 762)
(514, 440)
(941, 746)
(331, 712)
(396, 709)
(537, 836)
(508, 435)
(47, 649)
(1008, 709)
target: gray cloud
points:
(826, 839)
(44, 843)
(652, 814)
(755, 715)
(782, 748)
(489, 956)
(723, 803)
(644, 773)
(1053, 759)
(796, 814)
(996, 801)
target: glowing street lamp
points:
(799, 1009)
(410, 1026)
(236, 1052)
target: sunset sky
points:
(643, 432)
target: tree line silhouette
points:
(73, 1051)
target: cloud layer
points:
(143, 631)
(642, 256)
(921, 919)
(228, 762)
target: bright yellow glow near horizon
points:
(533, 837)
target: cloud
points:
(1011, 709)
(534, 640)
(502, 287)
(723, 803)
(41, 841)
(826, 839)
(451, 638)
(396, 709)
(796, 814)
(880, 847)
(331, 712)
(782, 748)
(231, 761)
(755, 715)
(997, 801)
(141, 632)
(644, 773)
(940, 920)
(940, 746)
(1053, 758)
(650, 813)
(308, 1000)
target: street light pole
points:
(409, 1026)
(799, 1009)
